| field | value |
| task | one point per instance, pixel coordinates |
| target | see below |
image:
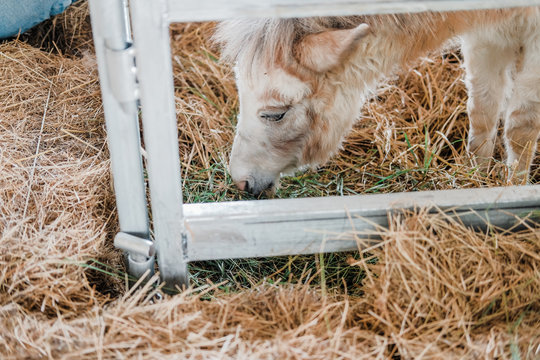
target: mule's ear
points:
(323, 51)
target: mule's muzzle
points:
(242, 185)
(255, 187)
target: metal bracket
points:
(134, 244)
(139, 251)
(122, 73)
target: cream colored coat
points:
(302, 82)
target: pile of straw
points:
(432, 289)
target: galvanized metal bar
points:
(122, 78)
(151, 36)
(264, 228)
(109, 30)
(207, 10)
(311, 225)
(134, 244)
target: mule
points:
(302, 82)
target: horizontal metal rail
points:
(312, 225)
(208, 10)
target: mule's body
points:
(302, 82)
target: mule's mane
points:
(248, 41)
(251, 39)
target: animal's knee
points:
(484, 107)
(483, 129)
(523, 113)
(482, 121)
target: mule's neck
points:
(399, 40)
(416, 35)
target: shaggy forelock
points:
(249, 40)
(253, 38)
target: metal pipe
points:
(151, 37)
(134, 245)
(109, 30)
(212, 10)
(241, 229)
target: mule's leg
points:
(487, 80)
(522, 126)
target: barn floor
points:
(433, 290)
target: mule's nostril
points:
(254, 188)
(242, 185)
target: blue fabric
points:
(20, 15)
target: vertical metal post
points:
(152, 40)
(112, 40)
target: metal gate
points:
(140, 70)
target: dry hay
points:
(433, 289)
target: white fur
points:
(503, 80)
(252, 158)
(502, 59)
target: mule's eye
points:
(273, 115)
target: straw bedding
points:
(432, 289)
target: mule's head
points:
(294, 106)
